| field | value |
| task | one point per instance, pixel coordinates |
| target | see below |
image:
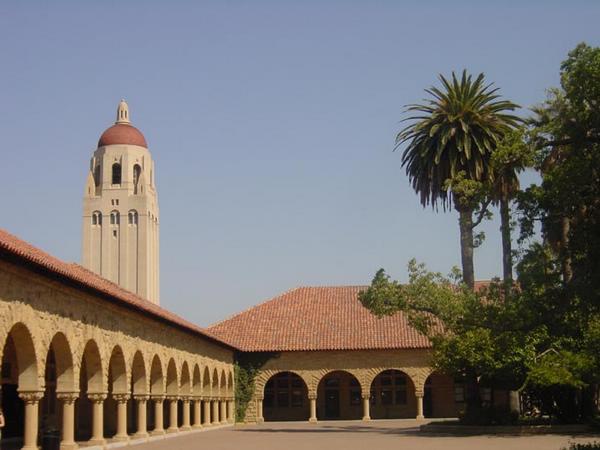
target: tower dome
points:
(122, 132)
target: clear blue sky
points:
(272, 126)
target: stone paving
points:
(351, 435)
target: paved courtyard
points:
(350, 435)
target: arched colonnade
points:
(95, 387)
(377, 393)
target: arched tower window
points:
(116, 173)
(114, 218)
(97, 218)
(137, 170)
(133, 217)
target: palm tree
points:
(453, 135)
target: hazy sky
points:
(271, 123)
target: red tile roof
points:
(17, 250)
(317, 318)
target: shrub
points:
(490, 415)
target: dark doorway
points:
(428, 400)
(332, 403)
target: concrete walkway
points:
(352, 435)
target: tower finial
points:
(123, 113)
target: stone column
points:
(121, 400)
(231, 411)
(158, 415)
(223, 411)
(67, 439)
(366, 403)
(420, 405)
(313, 408)
(185, 425)
(97, 418)
(142, 421)
(32, 401)
(173, 428)
(206, 404)
(197, 416)
(259, 410)
(215, 412)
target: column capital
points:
(141, 397)
(67, 397)
(419, 394)
(97, 397)
(120, 397)
(158, 398)
(312, 396)
(172, 398)
(31, 397)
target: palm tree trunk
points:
(507, 265)
(465, 222)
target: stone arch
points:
(157, 383)
(172, 378)
(26, 357)
(215, 382)
(443, 396)
(339, 395)
(285, 397)
(185, 385)
(416, 376)
(196, 380)
(139, 383)
(392, 395)
(321, 374)
(117, 370)
(206, 384)
(63, 356)
(223, 384)
(91, 366)
(230, 384)
(265, 375)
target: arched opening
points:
(157, 387)
(172, 390)
(339, 396)
(138, 387)
(97, 175)
(19, 373)
(230, 384)
(137, 170)
(393, 396)
(117, 384)
(286, 398)
(116, 173)
(185, 389)
(443, 397)
(206, 392)
(215, 383)
(90, 382)
(196, 391)
(58, 376)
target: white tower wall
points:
(121, 220)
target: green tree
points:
(450, 136)
(484, 336)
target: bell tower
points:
(120, 210)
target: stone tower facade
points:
(120, 210)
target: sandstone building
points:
(88, 355)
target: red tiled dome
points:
(122, 134)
